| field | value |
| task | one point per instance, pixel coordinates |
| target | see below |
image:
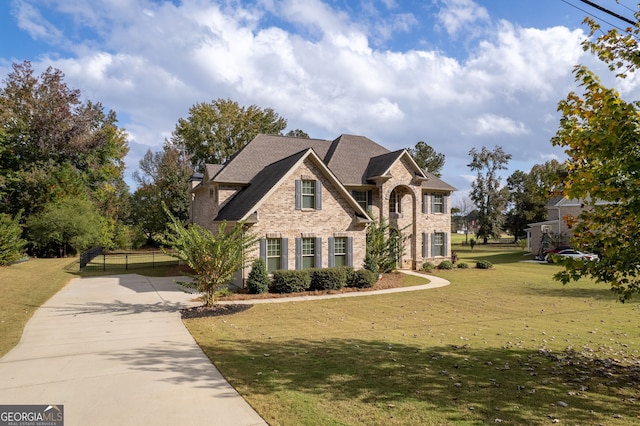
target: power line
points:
(609, 12)
(592, 15)
(626, 7)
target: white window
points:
(438, 244)
(395, 205)
(308, 253)
(362, 197)
(340, 251)
(438, 203)
(308, 194)
(274, 254)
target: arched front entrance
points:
(401, 210)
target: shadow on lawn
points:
(461, 383)
(602, 292)
(496, 257)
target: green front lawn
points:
(506, 344)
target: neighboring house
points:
(309, 201)
(562, 214)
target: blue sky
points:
(458, 74)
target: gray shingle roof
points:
(213, 169)
(344, 156)
(244, 201)
(380, 164)
(434, 182)
(264, 150)
(349, 158)
(353, 160)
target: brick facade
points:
(276, 216)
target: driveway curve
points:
(113, 350)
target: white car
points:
(571, 253)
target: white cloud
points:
(456, 14)
(490, 124)
(320, 69)
(31, 20)
(526, 60)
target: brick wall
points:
(278, 218)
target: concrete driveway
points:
(114, 351)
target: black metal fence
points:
(89, 255)
(127, 261)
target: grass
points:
(508, 344)
(23, 288)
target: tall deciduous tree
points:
(529, 194)
(215, 131)
(70, 224)
(486, 192)
(54, 145)
(163, 179)
(600, 133)
(427, 158)
(297, 133)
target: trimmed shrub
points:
(285, 281)
(362, 278)
(463, 265)
(328, 278)
(428, 266)
(258, 280)
(484, 264)
(223, 292)
(445, 264)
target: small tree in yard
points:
(213, 258)
(384, 247)
(258, 281)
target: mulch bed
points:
(214, 311)
(390, 280)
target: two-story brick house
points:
(309, 201)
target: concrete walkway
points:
(114, 351)
(435, 282)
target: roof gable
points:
(381, 165)
(262, 151)
(249, 199)
(349, 158)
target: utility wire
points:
(609, 12)
(626, 7)
(592, 15)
